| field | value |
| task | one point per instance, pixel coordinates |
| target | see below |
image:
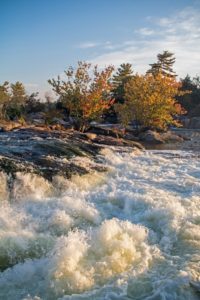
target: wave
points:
(129, 233)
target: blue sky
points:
(40, 38)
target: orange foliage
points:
(86, 93)
(151, 100)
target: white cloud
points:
(108, 45)
(179, 34)
(88, 45)
(101, 45)
(145, 31)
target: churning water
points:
(130, 233)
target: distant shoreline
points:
(191, 143)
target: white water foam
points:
(130, 233)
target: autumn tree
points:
(4, 98)
(164, 65)
(85, 93)
(150, 100)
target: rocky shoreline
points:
(43, 153)
(67, 152)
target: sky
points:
(39, 39)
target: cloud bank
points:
(179, 34)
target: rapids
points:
(130, 233)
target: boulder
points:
(152, 137)
(115, 130)
(172, 137)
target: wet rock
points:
(45, 153)
(11, 166)
(114, 130)
(48, 153)
(152, 137)
(171, 137)
(109, 140)
(59, 148)
(131, 136)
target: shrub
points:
(150, 100)
(85, 93)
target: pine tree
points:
(4, 98)
(17, 102)
(191, 101)
(123, 74)
(164, 65)
(19, 96)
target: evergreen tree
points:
(164, 65)
(18, 100)
(123, 74)
(4, 98)
(191, 101)
(19, 96)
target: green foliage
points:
(14, 112)
(87, 94)
(15, 107)
(191, 101)
(51, 114)
(164, 65)
(33, 104)
(4, 98)
(123, 74)
(18, 93)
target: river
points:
(132, 232)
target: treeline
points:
(156, 99)
(16, 104)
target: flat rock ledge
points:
(50, 153)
